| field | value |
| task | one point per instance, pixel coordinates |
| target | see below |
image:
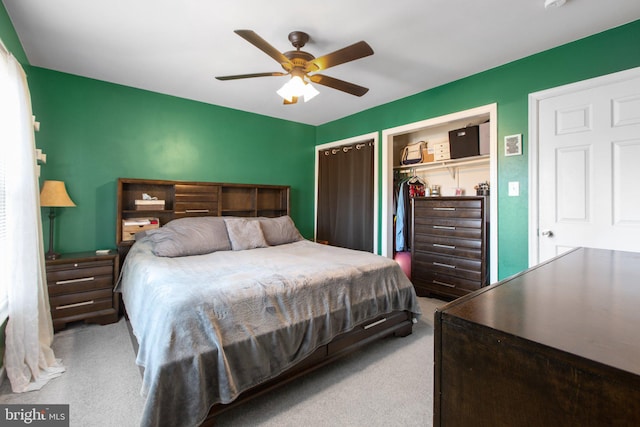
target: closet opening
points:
(447, 177)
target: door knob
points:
(547, 233)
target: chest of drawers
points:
(449, 245)
(81, 288)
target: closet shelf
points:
(450, 165)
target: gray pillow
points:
(280, 230)
(245, 233)
(190, 236)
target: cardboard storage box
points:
(131, 226)
(428, 153)
(149, 205)
(464, 142)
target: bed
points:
(223, 307)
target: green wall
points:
(508, 86)
(94, 132)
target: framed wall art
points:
(513, 145)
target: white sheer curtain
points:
(28, 358)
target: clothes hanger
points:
(415, 179)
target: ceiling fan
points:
(302, 66)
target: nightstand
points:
(81, 288)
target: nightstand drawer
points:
(61, 276)
(81, 302)
(82, 284)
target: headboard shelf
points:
(195, 198)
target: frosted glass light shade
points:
(309, 92)
(296, 87)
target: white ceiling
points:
(178, 47)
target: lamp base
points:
(50, 253)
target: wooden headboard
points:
(191, 199)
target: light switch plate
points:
(514, 188)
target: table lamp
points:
(54, 195)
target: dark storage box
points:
(464, 142)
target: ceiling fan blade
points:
(263, 45)
(294, 99)
(248, 76)
(338, 84)
(349, 53)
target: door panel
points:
(626, 183)
(572, 182)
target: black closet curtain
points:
(345, 196)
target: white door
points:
(589, 168)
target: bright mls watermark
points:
(34, 415)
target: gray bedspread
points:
(211, 326)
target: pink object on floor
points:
(404, 259)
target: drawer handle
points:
(444, 227)
(371, 325)
(448, 285)
(78, 304)
(197, 210)
(438, 245)
(444, 209)
(83, 279)
(439, 264)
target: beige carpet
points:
(385, 384)
(101, 383)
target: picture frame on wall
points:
(513, 145)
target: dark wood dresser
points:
(557, 345)
(449, 250)
(81, 288)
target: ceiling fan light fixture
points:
(285, 92)
(310, 92)
(296, 87)
(293, 88)
(299, 63)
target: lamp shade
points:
(54, 195)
